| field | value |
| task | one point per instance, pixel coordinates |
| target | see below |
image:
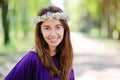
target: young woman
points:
(53, 55)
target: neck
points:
(52, 51)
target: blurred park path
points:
(93, 59)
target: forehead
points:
(51, 22)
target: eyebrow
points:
(59, 24)
(45, 26)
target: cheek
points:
(44, 34)
(62, 32)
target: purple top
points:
(29, 68)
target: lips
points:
(53, 40)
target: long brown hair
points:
(64, 49)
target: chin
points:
(54, 45)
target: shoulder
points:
(72, 71)
(29, 57)
(24, 67)
(72, 76)
(31, 54)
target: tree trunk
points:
(119, 36)
(5, 23)
(109, 29)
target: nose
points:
(53, 33)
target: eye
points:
(46, 28)
(59, 26)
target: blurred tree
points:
(108, 10)
(117, 7)
(5, 21)
(102, 15)
(19, 13)
(111, 10)
(22, 13)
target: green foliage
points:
(20, 14)
(86, 15)
(72, 7)
(94, 32)
(79, 11)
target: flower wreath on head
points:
(51, 15)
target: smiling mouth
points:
(53, 40)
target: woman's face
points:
(52, 31)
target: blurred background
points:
(95, 35)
